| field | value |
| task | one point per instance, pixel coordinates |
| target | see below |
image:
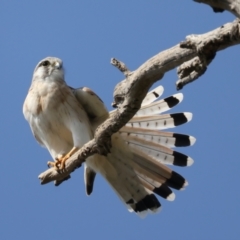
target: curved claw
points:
(50, 164)
(54, 164)
(59, 163)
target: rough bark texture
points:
(193, 56)
(232, 6)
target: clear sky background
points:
(86, 34)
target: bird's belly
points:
(52, 131)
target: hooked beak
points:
(57, 65)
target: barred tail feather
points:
(153, 95)
(160, 153)
(160, 106)
(129, 188)
(136, 167)
(160, 122)
(138, 178)
(162, 190)
(162, 172)
(167, 139)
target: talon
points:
(50, 164)
(62, 166)
(54, 164)
(59, 162)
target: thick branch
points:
(206, 51)
(129, 93)
(232, 6)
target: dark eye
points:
(45, 63)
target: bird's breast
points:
(44, 96)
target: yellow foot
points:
(56, 164)
(59, 163)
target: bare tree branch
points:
(193, 56)
(232, 6)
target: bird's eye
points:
(45, 63)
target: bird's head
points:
(49, 68)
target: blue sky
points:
(86, 34)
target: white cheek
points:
(58, 74)
(39, 72)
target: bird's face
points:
(49, 68)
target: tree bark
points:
(232, 6)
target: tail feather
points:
(160, 106)
(138, 177)
(153, 95)
(151, 165)
(167, 139)
(159, 152)
(169, 177)
(149, 98)
(148, 202)
(121, 192)
(163, 190)
(136, 167)
(177, 181)
(129, 187)
(160, 122)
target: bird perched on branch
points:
(63, 119)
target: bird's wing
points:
(97, 113)
(30, 100)
(91, 103)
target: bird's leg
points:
(56, 162)
(64, 158)
(60, 160)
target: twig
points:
(121, 66)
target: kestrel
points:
(63, 119)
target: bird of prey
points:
(63, 119)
